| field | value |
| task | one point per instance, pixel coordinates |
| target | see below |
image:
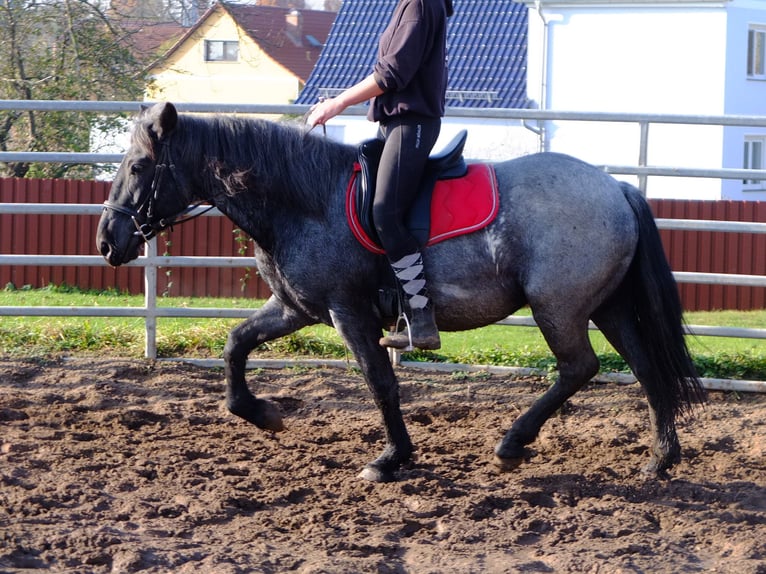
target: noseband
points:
(143, 216)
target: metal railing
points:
(642, 170)
(150, 260)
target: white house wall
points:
(634, 56)
(641, 58)
(743, 96)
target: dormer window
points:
(221, 50)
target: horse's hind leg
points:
(577, 364)
(617, 322)
(271, 321)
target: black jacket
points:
(411, 67)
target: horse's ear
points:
(143, 111)
(165, 119)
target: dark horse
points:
(569, 240)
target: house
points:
(655, 56)
(239, 52)
(683, 57)
(487, 52)
(234, 53)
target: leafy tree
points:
(59, 49)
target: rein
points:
(143, 215)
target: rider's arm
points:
(361, 92)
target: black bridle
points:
(143, 216)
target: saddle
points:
(454, 197)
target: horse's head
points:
(146, 195)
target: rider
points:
(407, 88)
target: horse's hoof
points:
(507, 464)
(270, 417)
(509, 455)
(652, 470)
(375, 474)
(263, 414)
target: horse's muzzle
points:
(110, 254)
(115, 256)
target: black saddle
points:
(447, 164)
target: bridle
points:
(143, 216)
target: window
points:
(756, 52)
(755, 147)
(221, 50)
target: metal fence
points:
(151, 261)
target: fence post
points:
(643, 152)
(150, 299)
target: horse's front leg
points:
(271, 321)
(362, 334)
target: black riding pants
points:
(408, 142)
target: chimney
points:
(294, 27)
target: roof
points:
(486, 46)
(295, 48)
(146, 39)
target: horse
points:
(569, 241)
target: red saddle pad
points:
(458, 206)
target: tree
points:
(185, 12)
(59, 49)
(292, 4)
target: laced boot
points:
(420, 330)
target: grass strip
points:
(492, 345)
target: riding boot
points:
(421, 330)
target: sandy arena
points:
(110, 465)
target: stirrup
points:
(408, 330)
(396, 332)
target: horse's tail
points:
(660, 315)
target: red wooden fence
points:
(76, 235)
(715, 252)
(700, 251)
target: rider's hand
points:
(321, 112)
(328, 108)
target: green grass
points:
(492, 345)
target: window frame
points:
(225, 51)
(756, 52)
(754, 157)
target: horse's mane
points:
(244, 155)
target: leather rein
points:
(143, 216)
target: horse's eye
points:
(136, 168)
